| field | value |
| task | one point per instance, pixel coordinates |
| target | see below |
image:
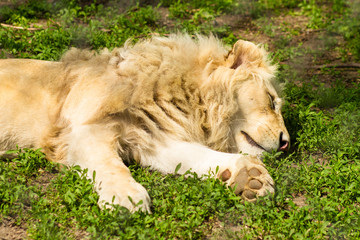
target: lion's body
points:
(149, 102)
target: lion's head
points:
(253, 106)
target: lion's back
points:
(156, 82)
(26, 102)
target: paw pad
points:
(255, 184)
(254, 172)
(226, 175)
(249, 194)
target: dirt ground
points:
(9, 230)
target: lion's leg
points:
(245, 172)
(94, 147)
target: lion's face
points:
(258, 126)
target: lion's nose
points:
(284, 143)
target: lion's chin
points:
(247, 145)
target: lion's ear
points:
(244, 53)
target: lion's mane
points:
(176, 87)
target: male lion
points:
(161, 102)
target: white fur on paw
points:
(250, 178)
(128, 194)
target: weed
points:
(46, 44)
(32, 9)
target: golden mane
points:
(160, 88)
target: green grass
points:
(317, 183)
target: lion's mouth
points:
(252, 141)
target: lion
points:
(165, 102)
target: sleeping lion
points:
(161, 102)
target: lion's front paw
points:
(129, 194)
(250, 178)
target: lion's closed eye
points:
(272, 101)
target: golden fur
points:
(135, 102)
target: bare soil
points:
(10, 230)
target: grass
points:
(317, 183)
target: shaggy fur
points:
(161, 102)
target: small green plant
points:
(46, 44)
(180, 10)
(32, 9)
(214, 6)
(349, 27)
(311, 9)
(137, 22)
